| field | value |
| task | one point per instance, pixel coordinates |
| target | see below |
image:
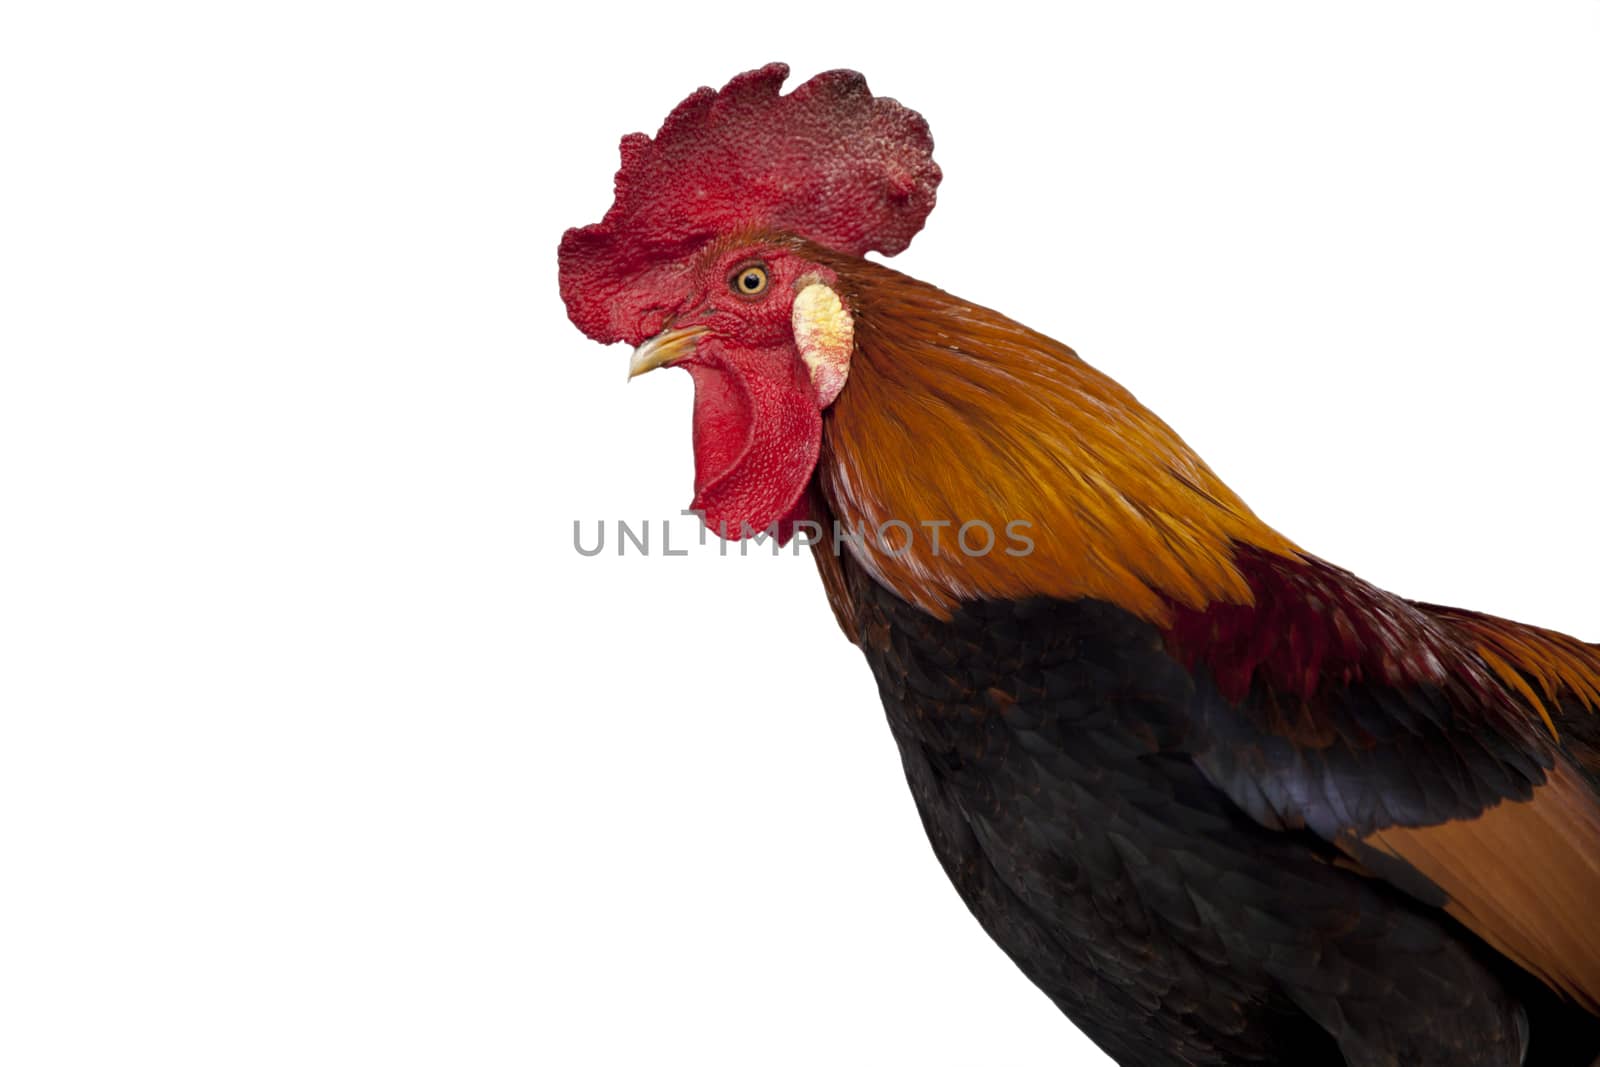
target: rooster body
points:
(1067, 809)
(1221, 801)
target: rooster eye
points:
(749, 281)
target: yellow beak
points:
(663, 350)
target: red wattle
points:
(757, 434)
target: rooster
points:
(1222, 801)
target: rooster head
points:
(714, 257)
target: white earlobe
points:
(825, 334)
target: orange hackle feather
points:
(1561, 666)
(956, 414)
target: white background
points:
(321, 744)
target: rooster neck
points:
(831, 566)
(969, 457)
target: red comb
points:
(829, 162)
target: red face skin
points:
(757, 422)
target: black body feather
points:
(1057, 753)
